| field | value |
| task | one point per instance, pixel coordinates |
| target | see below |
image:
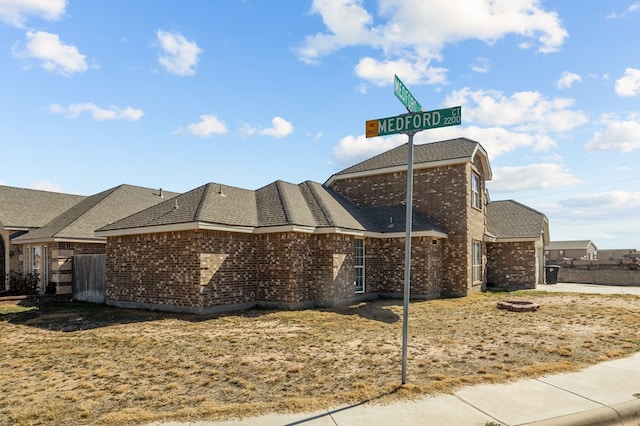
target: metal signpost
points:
(411, 123)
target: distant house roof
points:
(22, 208)
(510, 219)
(570, 245)
(81, 220)
(307, 207)
(453, 151)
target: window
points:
(477, 261)
(359, 265)
(475, 191)
(36, 261)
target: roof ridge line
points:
(285, 206)
(323, 206)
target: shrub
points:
(21, 283)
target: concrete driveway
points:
(589, 288)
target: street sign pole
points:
(407, 257)
(411, 123)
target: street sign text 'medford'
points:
(414, 122)
(405, 96)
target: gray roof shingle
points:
(30, 208)
(81, 220)
(277, 204)
(510, 219)
(460, 148)
(570, 245)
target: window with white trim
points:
(477, 261)
(359, 265)
(476, 200)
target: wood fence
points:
(88, 278)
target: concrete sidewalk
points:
(603, 394)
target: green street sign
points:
(402, 93)
(414, 122)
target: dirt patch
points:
(88, 364)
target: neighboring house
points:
(556, 251)
(48, 248)
(22, 210)
(218, 248)
(618, 254)
(518, 235)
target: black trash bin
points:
(551, 272)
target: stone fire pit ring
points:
(518, 305)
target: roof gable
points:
(433, 154)
(509, 219)
(82, 219)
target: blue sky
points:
(175, 94)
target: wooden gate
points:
(88, 278)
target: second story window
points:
(475, 191)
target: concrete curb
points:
(624, 413)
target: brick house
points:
(556, 251)
(219, 248)
(517, 235)
(22, 210)
(49, 229)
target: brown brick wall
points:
(443, 194)
(511, 265)
(158, 269)
(385, 266)
(204, 268)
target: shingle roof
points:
(570, 245)
(510, 219)
(453, 149)
(29, 208)
(81, 220)
(277, 204)
(280, 203)
(387, 219)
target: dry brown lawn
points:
(88, 364)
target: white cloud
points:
(381, 73)
(247, 129)
(567, 80)
(614, 200)
(280, 129)
(480, 65)
(533, 176)
(98, 113)
(629, 85)
(53, 54)
(353, 149)
(179, 55)
(618, 135)
(15, 12)
(417, 31)
(207, 126)
(524, 111)
(46, 186)
(347, 25)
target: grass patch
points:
(79, 363)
